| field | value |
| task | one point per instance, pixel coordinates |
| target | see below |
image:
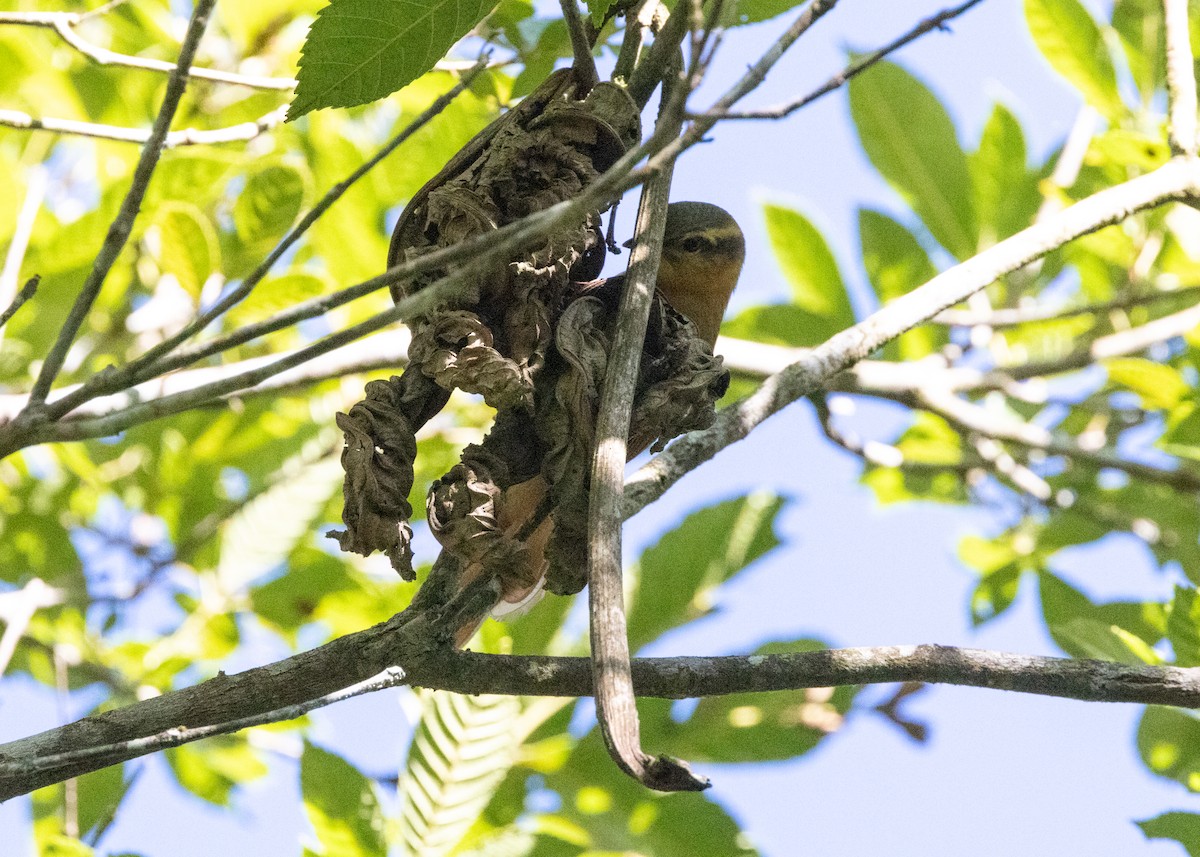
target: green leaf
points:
(268, 528)
(710, 547)
(289, 601)
(896, 263)
(778, 324)
(1168, 520)
(750, 727)
(188, 246)
(97, 797)
(910, 138)
(995, 593)
(361, 50)
(1182, 436)
(1156, 385)
(268, 204)
(1122, 631)
(341, 805)
(1168, 740)
(461, 750)
(811, 271)
(1183, 626)
(1139, 23)
(1007, 194)
(1183, 827)
(213, 769)
(598, 9)
(277, 293)
(1123, 148)
(1070, 40)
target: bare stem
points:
(122, 225)
(1181, 80)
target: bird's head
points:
(702, 255)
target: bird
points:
(703, 251)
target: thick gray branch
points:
(409, 642)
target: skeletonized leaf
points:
(460, 752)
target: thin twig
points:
(936, 22)
(654, 63)
(152, 361)
(22, 297)
(183, 137)
(1035, 314)
(64, 23)
(122, 225)
(631, 43)
(1177, 180)
(391, 677)
(387, 350)
(1181, 79)
(35, 192)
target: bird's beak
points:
(629, 243)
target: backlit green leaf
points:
(748, 726)
(911, 140)
(188, 246)
(710, 547)
(896, 263)
(808, 264)
(461, 750)
(213, 769)
(1071, 42)
(1139, 23)
(269, 203)
(1168, 740)
(1183, 626)
(1104, 631)
(341, 806)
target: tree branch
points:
(1176, 180)
(122, 225)
(183, 137)
(64, 23)
(1181, 80)
(935, 22)
(403, 641)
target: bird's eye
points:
(693, 245)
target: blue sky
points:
(1002, 774)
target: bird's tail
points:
(521, 516)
